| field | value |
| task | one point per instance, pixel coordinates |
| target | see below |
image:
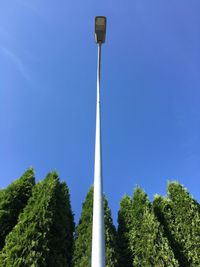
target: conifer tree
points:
(179, 213)
(148, 244)
(83, 235)
(123, 234)
(61, 236)
(13, 199)
(110, 238)
(163, 210)
(43, 235)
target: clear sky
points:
(150, 94)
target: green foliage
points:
(123, 234)
(179, 213)
(62, 230)
(151, 247)
(83, 235)
(110, 238)
(148, 244)
(37, 227)
(44, 232)
(13, 199)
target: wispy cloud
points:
(16, 61)
(8, 38)
(3, 31)
(35, 8)
(28, 5)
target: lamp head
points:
(100, 29)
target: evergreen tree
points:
(83, 235)
(13, 199)
(148, 244)
(124, 228)
(43, 235)
(163, 210)
(110, 238)
(62, 230)
(179, 213)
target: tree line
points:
(37, 227)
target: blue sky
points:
(150, 94)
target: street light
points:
(100, 29)
(98, 238)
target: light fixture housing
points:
(100, 29)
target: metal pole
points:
(98, 239)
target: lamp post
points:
(98, 238)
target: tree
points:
(13, 199)
(148, 244)
(62, 230)
(110, 238)
(123, 233)
(180, 215)
(83, 235)
(43, 235)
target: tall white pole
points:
(98, 239)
